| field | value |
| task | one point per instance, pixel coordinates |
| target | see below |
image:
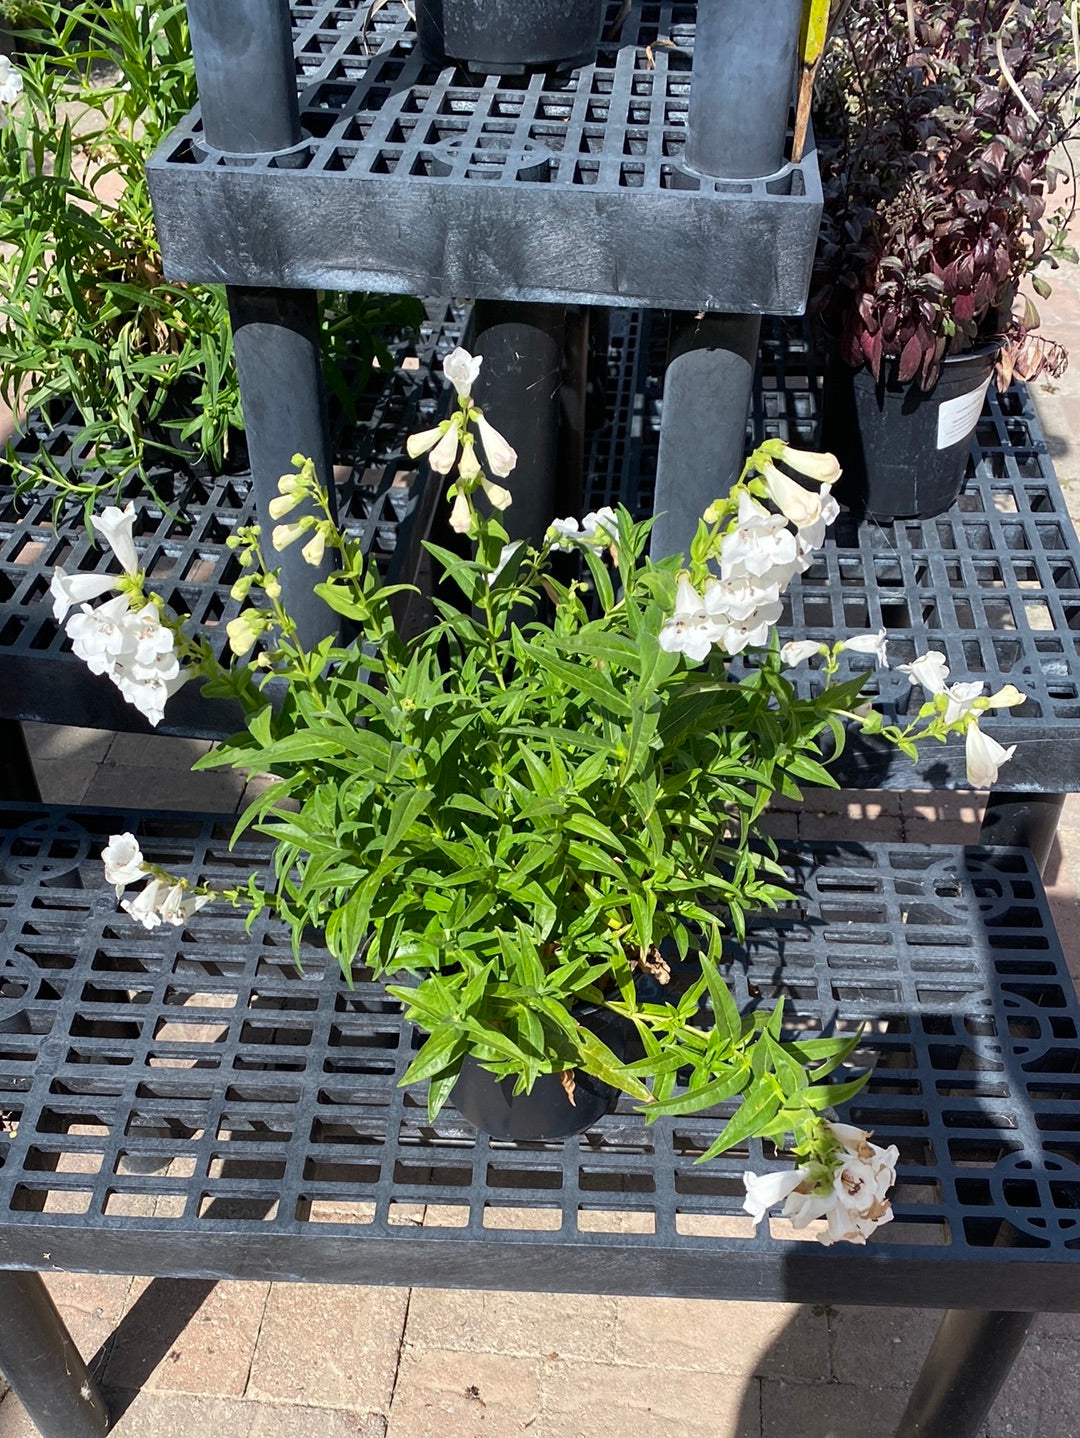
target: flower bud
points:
(824, 468)
(315, 548)
(286, 534)
(284, 504)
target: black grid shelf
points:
(189, 1103)
(182, 542)
(994, 584)
(407, 175)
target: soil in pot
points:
(904, 450)
(505, 37)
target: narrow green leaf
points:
(757, 1109)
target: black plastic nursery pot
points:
(501, 37)
(547, 1110)
(904, 450)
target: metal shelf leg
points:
(969, 1359)
(1029, 820)
(42, 1364)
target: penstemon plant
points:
(547, 804)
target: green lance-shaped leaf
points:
(757, 1109)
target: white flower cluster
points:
(853, 1199)
(11, 82)
(160, 902)
(983, 755)
(758, 560)
(598, 530)
(129, 645)
(447, 441)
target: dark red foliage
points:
(935, 175)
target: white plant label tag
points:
(958, 417)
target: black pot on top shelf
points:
(904, 450)
(507, 37)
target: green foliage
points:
(509, 816)
(938, 123)
(86, 314)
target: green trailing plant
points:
(87, 318)
(86, 315)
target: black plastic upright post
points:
(740, 94)
(246, 75)
(1029, 820)
(969, 1359)
(42, 1364)
(247, 90)
(520, 391)
(707, 387)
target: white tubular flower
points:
(1006, 698)
(116, 527)
(498, 451)
(148, 696)
(766, 1189)
(796, 503)
(441, 458)
(98, 636)
(824, 468)
(244, 630)
(176, 910)
(461, 519)
(875, 644)
(498, 497)
(285, 534)
(11, 82)
(760, 542)
(468, 464)
(69, 589)
(929, 670)
(733, 601)
(461, 369)
(961, 700)
(690, 630)
(601, 526)
(283, 504)
(812, 536)
(152, 642)
(857, 1202)
(418, 444)
(123, 860)
(751, 633)
(984, 757)
(561, 531)
(315, 548)
(797, 651)
(143, 908)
